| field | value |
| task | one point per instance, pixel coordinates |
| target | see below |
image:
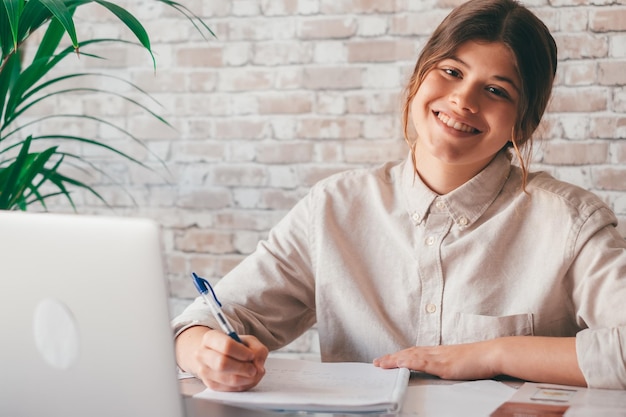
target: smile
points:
(455, 124)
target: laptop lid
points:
(85, 322)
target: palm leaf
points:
(60, 181)
(33, 166)
(13, 11)
(192, 17)
(91, 142)
(22, 174)
(29, 77)
(10, 175)
(66, 77)
(132, 23)
(8, 73)
(81, 167)
(51, 39)
(64, 15)
(24, 86)
(83, 90)
(6, 39)
(94, 143)
(19, 175)
(33, 189)
(34, 15)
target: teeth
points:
(448, 121)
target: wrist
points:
(186, 344)
(498, 352)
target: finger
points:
(224, 344)
(259, 350)
(222, 382)
(412, 358)
(260, 353)
(386, 361)
(219, 371)
(220, 362)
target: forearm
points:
(541, 359)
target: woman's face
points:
(465, 109)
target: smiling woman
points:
(435, 263)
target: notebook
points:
(85, 321)
(329, 387)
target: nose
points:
(465, 98)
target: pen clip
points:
(203, 286)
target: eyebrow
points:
(497, 77)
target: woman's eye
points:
(498, 92)
(452, 72)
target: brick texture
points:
(292, 91)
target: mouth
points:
(455, 124)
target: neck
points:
(441, 183)
(443, 177)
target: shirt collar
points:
(465, 204)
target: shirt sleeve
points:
(599, 276)
(271, 293)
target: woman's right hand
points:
(222, 363)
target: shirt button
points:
(430, 240)
(431, 308)
(416, 217)
(440, 204)
(463, 221)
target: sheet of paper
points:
(467, 399)
(315, 386)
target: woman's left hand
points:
(459, 362)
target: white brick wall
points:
(294, 90)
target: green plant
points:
(28, 176)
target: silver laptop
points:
(85, 322)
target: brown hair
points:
(530, 41)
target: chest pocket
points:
(475, 328)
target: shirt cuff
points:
(602, 358)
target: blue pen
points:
(215, 306)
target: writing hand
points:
(219, 361)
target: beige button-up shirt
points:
(380, 262)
